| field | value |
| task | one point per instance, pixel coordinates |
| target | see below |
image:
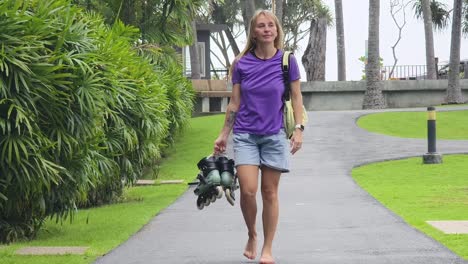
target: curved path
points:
(325, 217)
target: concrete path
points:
(325, 217)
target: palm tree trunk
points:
(340, 43)
(248, 12)
(145, 14)
(465, 19)
(430, 60)
(454, 95)
(314, 55)
(194, 54)
(279, 10)
(373, 97)
(128, 14)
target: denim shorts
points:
(262, 150)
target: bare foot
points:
(266, 258)
(251, 248)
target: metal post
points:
(431, 130)
(431, 157)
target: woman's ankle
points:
(252, 235)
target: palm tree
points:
(340, 43)
(295, 14)
(194, 54)
(439, 13)
(434, 15)
(279, 10)
(314, 55)
(465, 19)
(313, 58)
(248, 12)
(430, 58)
(454, 95)
(373, 97)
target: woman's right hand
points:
(220, 145)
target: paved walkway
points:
(325, 217)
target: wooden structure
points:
(203, 35)
(212, 95)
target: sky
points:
(409, 51)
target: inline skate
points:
(228, 177)
(209, 182)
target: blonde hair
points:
(250, 38)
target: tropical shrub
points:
(81, 113)
(179, 90)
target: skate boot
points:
(208, 189)
(228, 177)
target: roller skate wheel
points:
(229, 197)
(213, 198)
(207, 202)
(219, 191)
(200, 205)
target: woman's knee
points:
(250, 193)
(248, 180)
(270, 194)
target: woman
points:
(255, 113)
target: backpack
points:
(288, 111)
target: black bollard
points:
(431, 157)
(431, 130)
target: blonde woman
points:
(255, 114)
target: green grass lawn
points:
(196, 143)
(450, 124)
(106, 227)
(420, 193)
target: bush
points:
(81, 113)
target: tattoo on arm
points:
(230, 119)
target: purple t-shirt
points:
(262, 87)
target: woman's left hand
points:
(296, 141)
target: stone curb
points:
(51, 250)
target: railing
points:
(216, 74)
(404, 72)
(419, 72)
(219, 74)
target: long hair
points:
(250, 38)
